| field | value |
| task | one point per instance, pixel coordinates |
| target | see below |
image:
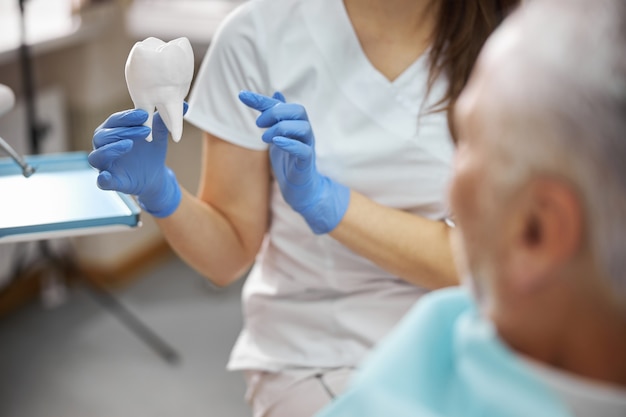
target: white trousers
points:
(294, 393)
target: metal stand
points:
(65, 265)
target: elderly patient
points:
(540, 202)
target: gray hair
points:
(571, 70)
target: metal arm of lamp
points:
(7, 100)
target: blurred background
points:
(64, 351)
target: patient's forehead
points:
(480, 108)
(503, 87)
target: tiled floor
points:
(78, 360)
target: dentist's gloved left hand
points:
(131, 165)
(320, 200)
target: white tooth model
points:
(159, 74)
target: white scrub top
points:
(309, 301)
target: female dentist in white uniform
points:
(334, 274)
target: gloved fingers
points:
(106, 136)
(158, 125)
(106, 181)
(103, 157)
(293, 147)
(258, 101)
(279, 96)
(273, 109)
(293, 129)
(280, 112)
(125, 118)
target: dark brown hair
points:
(461, 30)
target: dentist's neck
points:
(391, 17)
(392, 33)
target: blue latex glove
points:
(131, 165)
(321, 201)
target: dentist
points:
(348, 230)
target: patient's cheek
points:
(458, 252)
(462, 264)
(469, 281)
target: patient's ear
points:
(545, 233)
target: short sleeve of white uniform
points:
(233, 63)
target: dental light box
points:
(60, 199)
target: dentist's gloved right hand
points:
(131, 165)
(320, 200)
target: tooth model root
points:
(150, 110)
(172, 114)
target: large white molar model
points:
(159, 74)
